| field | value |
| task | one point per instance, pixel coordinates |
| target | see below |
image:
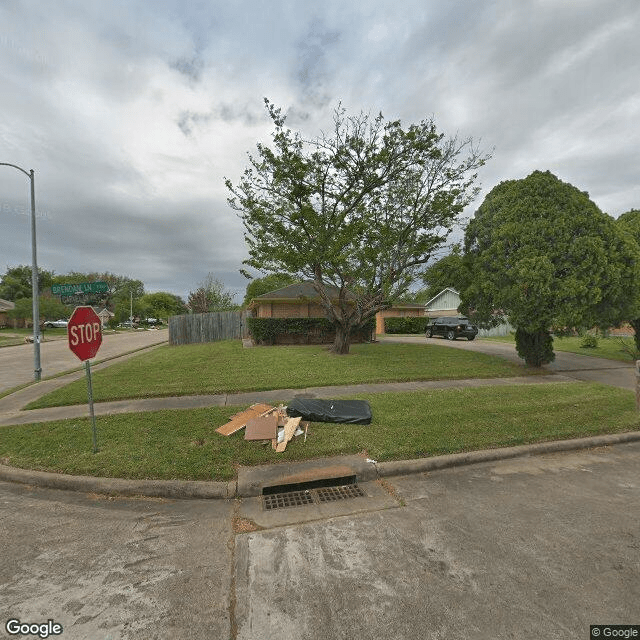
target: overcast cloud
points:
(132, 113)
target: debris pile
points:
(265, 423)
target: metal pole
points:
(93, 417)
(638, 385)
(35, 285)
(35, 293)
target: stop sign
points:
(84, 331)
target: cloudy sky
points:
(132, 113)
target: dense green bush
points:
(267, 330)
(589, 341)
(415, 324)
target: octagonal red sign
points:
(85, 332)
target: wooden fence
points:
(208, 327)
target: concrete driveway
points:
(537, 547)
(586, 368)
(16, 363)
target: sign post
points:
(85, 337)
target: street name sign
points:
(83, 287)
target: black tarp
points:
(347, 411)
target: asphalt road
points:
(586, 368)
(17, 363)
(538, 547)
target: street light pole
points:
(34, 274)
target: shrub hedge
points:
(415, 324)
(268, 330)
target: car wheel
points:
(451, 335)
(430, 333)
(470, 338)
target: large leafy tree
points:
(211, 295)
(162, 304)
(543, 254)
(361, 208)
(16, 282)
(629, 222)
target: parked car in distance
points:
(56, 324)
(128, 324)
(452, 327)
(151, 321)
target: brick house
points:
(298, 300)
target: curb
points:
(184, 489)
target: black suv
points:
(452, 328)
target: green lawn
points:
(184, 445)
(611, 348)
(222, 367)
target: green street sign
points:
(83, 287)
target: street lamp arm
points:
(15, 166)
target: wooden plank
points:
(290, 426)
(263, 428)
(240, 419)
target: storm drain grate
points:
(329, 494)
(319, 492)
(289, 499)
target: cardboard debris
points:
(262, 428)
(239, 420)
(290, 425)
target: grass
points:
(11, 337)
(183, 444)
(610, 348)
(225, 367)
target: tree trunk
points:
(342, 341)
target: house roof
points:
(298, 291)
(441, 295)
(6, 305)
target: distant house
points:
(5, 307)
(446, 303)
(105, 315)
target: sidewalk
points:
(10, 406)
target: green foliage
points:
(360, 209)
(629, 223)
(416, 324)
(450, 271)
(266, 330)
(543, 254)
(260, 286)
(16, 282)
(536, 347)
(49, 308)
(589, 341)
(162, 304)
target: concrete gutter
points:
(251, 480)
